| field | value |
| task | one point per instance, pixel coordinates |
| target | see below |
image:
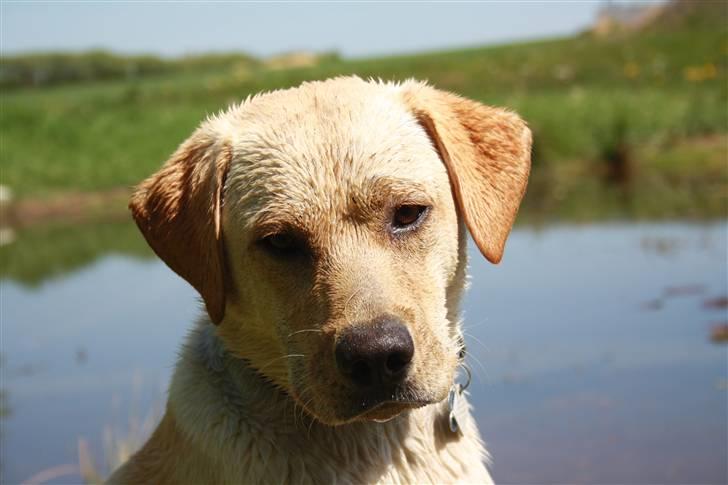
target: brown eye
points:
(281, 244)
(408, 216)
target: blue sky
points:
(353, 29)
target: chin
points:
(387, 411)
(380, 411)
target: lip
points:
(378, 411)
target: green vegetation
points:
(60, 67)
(50, 251)
(637, 117)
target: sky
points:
(354, 29)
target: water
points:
(589, 346)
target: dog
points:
(325, 228)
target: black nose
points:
(375, 354)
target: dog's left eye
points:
(408, 216)
(281, 244)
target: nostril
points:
(361, 373)
(375, 355)
(396, 363)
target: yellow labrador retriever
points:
(325, 229)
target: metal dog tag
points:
(452, 397)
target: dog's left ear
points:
(487, 152)
(178, 210)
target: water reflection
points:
(38, 253)
(590, 348)
(583, 384)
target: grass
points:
(659, 90)
(121, 440)
(47, 69)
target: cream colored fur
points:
(256, 397)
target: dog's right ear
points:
(178, 211)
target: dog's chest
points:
(252, 432)
(352, 455)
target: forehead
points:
(314, 147)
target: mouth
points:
(379, 407)
(388, 410)
(382, 408)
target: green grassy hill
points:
(643, 115)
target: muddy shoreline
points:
(74, 207)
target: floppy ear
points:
(487, 152)
(178, 212)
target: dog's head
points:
(323, 227)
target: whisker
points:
(304, 405)
(468, 324)
(306, 402)
(317, 330)
(477, 340)
(260, 370)
(346, 305)
(310, 426)
(482, 367)
(305, 413)
(296, 405)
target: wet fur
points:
(255, 396)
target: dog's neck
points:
(253, 418)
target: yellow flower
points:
(700, 73)
(631, 70)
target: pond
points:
(590, 348)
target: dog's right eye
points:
(281, 244)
